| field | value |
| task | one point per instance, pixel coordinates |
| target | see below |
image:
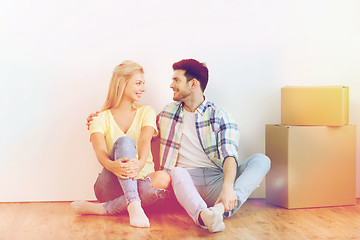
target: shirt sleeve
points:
(149, 119)
(98, 124)
(229, 137)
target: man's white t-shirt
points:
(191, 153)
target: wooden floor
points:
(255, 220)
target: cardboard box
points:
(323, 106)
(311, 166)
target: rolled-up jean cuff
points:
(148, 196)
(128, 201)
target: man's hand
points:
(90, 118)
(228, 198)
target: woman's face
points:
(135, 87)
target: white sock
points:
(218, 208)
(213, 220)
(137, 215)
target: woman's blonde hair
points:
(121, 74)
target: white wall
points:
(56, 60)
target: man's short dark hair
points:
(194, 69)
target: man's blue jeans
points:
(197, 189)
(117, 193)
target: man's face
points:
(180, 86)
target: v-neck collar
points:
(113, 119)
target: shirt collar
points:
(203, 106)
(201, 109)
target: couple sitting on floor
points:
(198, 151)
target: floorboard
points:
(255, 220)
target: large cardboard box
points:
(323, 106)
(311, 166)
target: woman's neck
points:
(125, 106)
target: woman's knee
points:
(124, 147)
(124, 141)
(160, 179)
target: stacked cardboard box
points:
(313, 150)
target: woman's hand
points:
(137, 166)
(134, 168)
(124, 168)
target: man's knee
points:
(262, 161)
(177, 174)
(160, 179)
(177, 171)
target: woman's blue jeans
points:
(117, 193)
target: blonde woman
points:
(121, 137)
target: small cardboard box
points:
(322, 106)
(311, 166)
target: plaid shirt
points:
(217, 131)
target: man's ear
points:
(194, 82)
